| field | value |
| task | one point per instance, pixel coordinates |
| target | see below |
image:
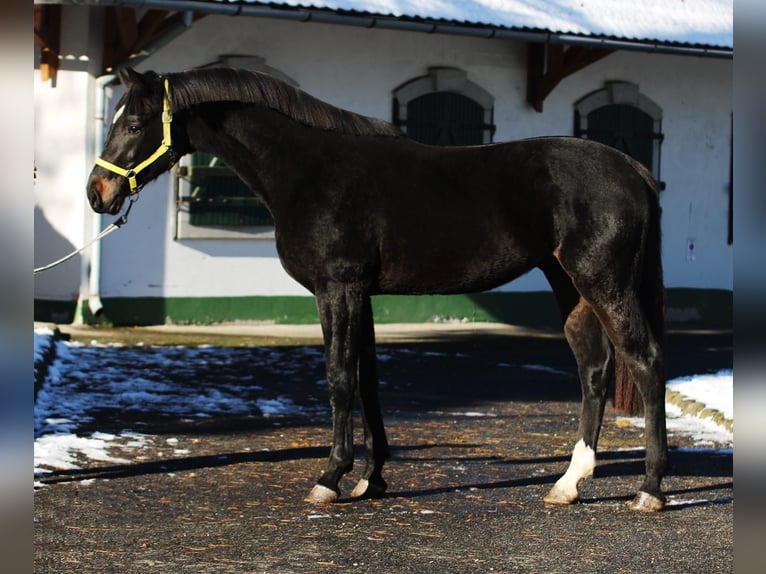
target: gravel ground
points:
(477, 441)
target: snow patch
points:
(66, 451)
(715, 390)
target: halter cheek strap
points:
(165, 147)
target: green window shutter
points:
(219, 198)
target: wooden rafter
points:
(152, 21)
(548, 64)
(126, 35)
(48, 37)
(126, 26)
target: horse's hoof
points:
(559, 500)
(561, 497)
(645, 502)
(366, 489)
(322, 495)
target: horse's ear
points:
(139, 83)
(128, 76)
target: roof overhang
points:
(134, 29)
(411, 24)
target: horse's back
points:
(467, 219)
(408, 218)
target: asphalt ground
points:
(477, 441)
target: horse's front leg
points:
(340, 313)
(372, 484)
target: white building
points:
(655, 76)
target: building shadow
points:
(55, 289)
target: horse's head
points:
(138, 147)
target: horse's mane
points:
(231, 85)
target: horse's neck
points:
(255, 143)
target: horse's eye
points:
(134, 129)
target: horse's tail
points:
(627, 400)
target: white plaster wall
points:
(63, 132)
(357, 69)
(696, 99)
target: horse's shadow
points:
(171, 465)
(619, 463)
(166, 466)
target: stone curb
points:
(696, 409)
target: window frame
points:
(185, 229)
(623, 93)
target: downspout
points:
(95, 305)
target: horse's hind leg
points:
(630, 333)
(371, 485)
(644, 358)
(593, 353)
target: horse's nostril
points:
(94, 196)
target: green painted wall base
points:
(686, 307)
(61, 312)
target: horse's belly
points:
(451, 272)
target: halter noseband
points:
(165, 147)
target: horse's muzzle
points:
(103, 195)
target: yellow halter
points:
(165, 147)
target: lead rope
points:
(119, 222)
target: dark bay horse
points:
(360, 209)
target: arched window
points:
(444, 108)
(622, 117)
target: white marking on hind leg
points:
(581, 466)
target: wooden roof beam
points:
(126, 25)
(47, 23)
(125, 35)
(548, 64)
